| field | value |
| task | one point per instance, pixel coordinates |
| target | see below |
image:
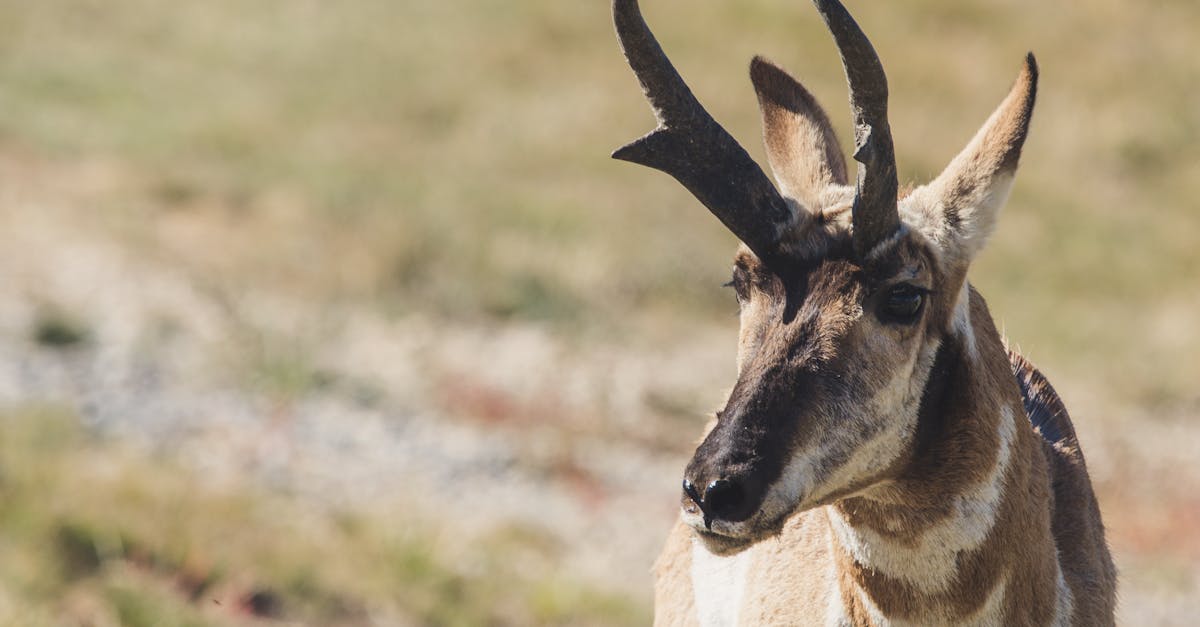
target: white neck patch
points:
(718, 584)
(931, 564)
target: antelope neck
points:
(933, 545)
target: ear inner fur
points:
(963, 202)
(802, 148)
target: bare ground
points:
(474, 429)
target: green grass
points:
(91, 532)
(452, 160)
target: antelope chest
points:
(719, 585)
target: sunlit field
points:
(340, 314)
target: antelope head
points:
(847, 293)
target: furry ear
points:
(801, 146)
(958, 209)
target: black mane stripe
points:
(1045, 409)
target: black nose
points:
(723, 499)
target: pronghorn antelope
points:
(882, 457)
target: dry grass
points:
(432, 157)
(94, 533)
(449, 161)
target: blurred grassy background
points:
(447, 163)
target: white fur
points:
(836, 612)
(989, 614)
(962, 322)
(717, 585)
(932, 562)
(1064, 611)
(927, 208)
(886, 245)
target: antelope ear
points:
(958, 209)
(801, 146)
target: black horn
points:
(692, 147)
(875, 215)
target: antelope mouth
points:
(720, 544)
(725, 538)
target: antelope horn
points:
(693, 148)
(875, 217)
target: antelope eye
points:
(903, 303)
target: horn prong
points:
(693, 148)
(875, 215)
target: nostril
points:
(690, 490)
(723, 499)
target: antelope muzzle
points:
(728, 479)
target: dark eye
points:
(902, 303)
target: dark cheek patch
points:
(930, 415)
